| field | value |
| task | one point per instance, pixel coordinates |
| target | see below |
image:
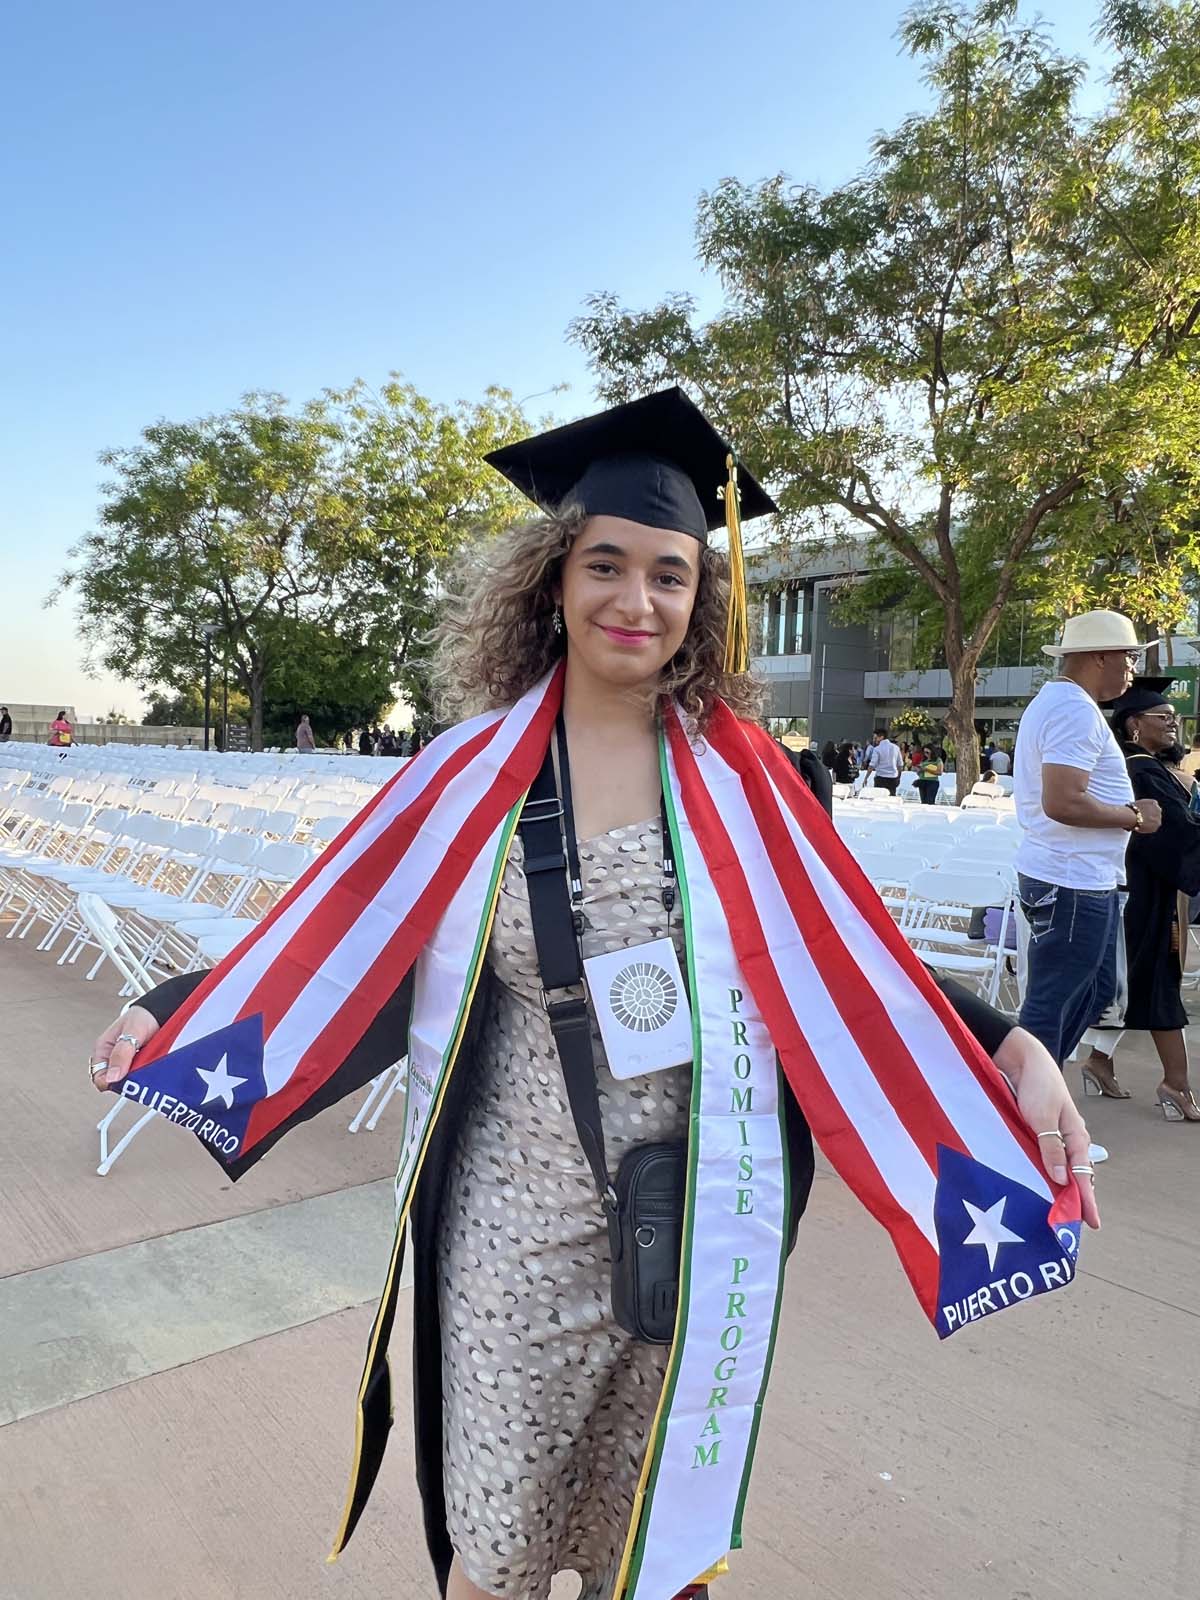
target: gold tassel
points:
(721, 1570)
(737, 622)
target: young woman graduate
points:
(1159, 868)
(602, 1184)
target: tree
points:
(186, 709)
(419, 490)
(982, 347)
(340, 681)
(336, 516)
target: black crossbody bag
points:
(643, 1206)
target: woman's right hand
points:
(113, 1055)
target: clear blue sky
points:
(204, 200)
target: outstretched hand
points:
(1046, 1106)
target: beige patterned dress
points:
(547, 1401)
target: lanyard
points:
(574, 874)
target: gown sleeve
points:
(1173, 852)
(990, 1027)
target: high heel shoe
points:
(1098, 1082)
(1177, 1107)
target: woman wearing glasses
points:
(1160, 868)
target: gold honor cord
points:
(737, 624)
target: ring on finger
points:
(128, 1038)
(1089, 1171)
(96, 1066)
(1052, 1133)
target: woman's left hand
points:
(1045, 1104)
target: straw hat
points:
(1097, 630)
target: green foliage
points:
(270, 522)
(340, 682)
(979, 356)
(186, 708)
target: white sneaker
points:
(1096, 1154)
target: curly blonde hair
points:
(496, 636)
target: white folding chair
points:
(932, 919)
(379, 1091)
(103, 931)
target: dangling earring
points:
(557, 624)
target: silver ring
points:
(96, 1066)
(1050, 1133)
(1090, 1171)
(127, 1038)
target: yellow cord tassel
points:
(737, 622)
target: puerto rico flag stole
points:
(799, 979)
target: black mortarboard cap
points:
(657, 461)
(1143, 694)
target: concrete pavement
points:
(180, 1359)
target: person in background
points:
(366, 745)
(999, 761)
(304, 735)
(387, 742)
(829, 754)
(5, 725)
(845, 768)
(884, 759)
(1162, 869)
(1076, 809)
(61, 731)
(1191, 762)
(988, 786)
(929, 768)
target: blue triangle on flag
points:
(209, 1086)
(996, 1243)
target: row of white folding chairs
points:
(183, 787)
(219, 806)
(144, 766)
(1000, 843)
(149, 869)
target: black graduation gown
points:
(384, 1042)
(1158, 867)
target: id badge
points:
(642, 1008)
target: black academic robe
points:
(1158, 867)
(386, 1041)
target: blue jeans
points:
(1072, 960)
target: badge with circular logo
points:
(641, 1007)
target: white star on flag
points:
(219, 1084)
(989, 1229)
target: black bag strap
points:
(560, 968)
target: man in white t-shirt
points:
(999, 762)
(883, 759)
(1075, 804)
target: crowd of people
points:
(371, 740)
(885, 759)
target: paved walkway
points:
(180, 1357)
